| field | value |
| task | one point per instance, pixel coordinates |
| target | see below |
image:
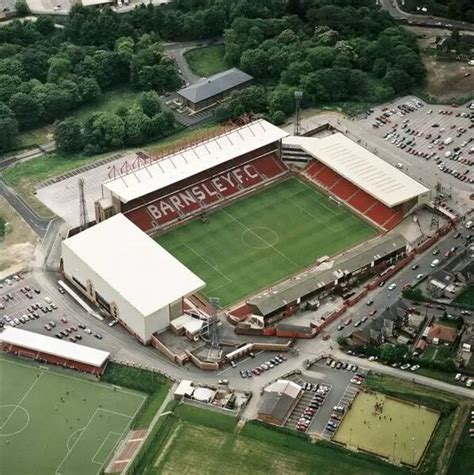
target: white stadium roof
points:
(146, 275)
(53, 346)
(361, 167)
(196, 159)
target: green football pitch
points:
(55, 422)
(257, 241)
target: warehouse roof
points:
(53, 346)
(361, 167)
(133, 264)
(302, 285)
(214, 85)
(198, 158)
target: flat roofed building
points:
(128, 275)
(189, 162)
(55, 351)
(362, 168)
(208, 91)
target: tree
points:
(27, 109)
(58, 68)
(45, 25)
(68, 136)
(21, 8)
(89, 89)
(278, 117)
(255, 62)
(282, 99)
(397, 79)
(150, 103)
(103, 131)
(137, 127)
(8, 128)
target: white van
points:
(435, 263)
(47, 300)
(469, 224)
(448, 141)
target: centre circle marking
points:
(259, 237)
(23, 411)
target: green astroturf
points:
(57, 422)
(254, 242)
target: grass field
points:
(463, 459)
(207, 61)
(452, 408)
(109, 101)
(261, 239)
(197, 441)
(25, 176)
(400, 431)
(57, 422)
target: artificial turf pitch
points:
(259, 240)
(55, 422)
(398, 431)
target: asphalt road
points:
(383, 297)
(396, 12)
(38, 224)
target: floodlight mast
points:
(298, 97)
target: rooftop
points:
(214, 85)
(53, 346)
(278, 399)
(361, 167)
(198, 158)
(442, 332)
(133, 264)
(301, 285)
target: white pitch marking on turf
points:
(259, 237)
(76, 441)
(252, 230)
(101, 445)
(24, 426)
(205, 260)
(20, 401)
(127, 427)
(70, 437)
(82, 380)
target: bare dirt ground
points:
(446, 80)
(16, 251)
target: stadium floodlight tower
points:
(298, 97)
(83, 215)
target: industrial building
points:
(51, 350)
(128, 276)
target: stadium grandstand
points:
(370, 186)
(196, 180)
(53, 351)
(128, 276)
